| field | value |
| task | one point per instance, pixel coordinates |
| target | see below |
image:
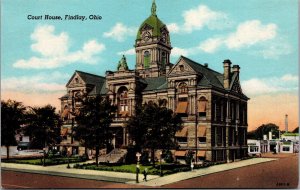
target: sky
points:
(39, 56)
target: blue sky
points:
(39, 56)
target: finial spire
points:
(153, 8)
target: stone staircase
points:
(117, 155)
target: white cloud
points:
(256, 86)
(119, 32)
(42, 82)
(127, 52)
(196, 19)
(54, 50)
(49, 44)
(200, 17)
(289, 77)
(179, 51)
(211, 45)
(249, 33)
(173, 28)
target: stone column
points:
(124, 136)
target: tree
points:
(154, 127)
(43, 126)
(12, 117)
(296, 130)
(93, 122)
(265, 129)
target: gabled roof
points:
(156, 83)
(88, 78)
(210, 77)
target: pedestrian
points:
(145, 174)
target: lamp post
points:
(114, 140)
(44, 155)
(68, 155)
(138, 155)
(160, 155)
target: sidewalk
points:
(61, 170)
(204, 171)
(129, 178)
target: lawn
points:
(48, 161)
(131, 168)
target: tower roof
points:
(153, 21)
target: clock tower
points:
(152, 46)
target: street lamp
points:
(114, 140)
(68, 155)
(160, 155)
(138, 155)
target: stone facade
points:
(211, 104)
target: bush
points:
(144, 158)
(189, 157)
(168, 157)
(130, 156)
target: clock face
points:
(146, 36)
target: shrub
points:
(189, 157)
(144, 158)
(168, 157)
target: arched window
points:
(146, 59)
(163, 59)
(202, 104)
(162, 102)
(182, 88)
(123, 102)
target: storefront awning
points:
(201, 153)
(182, 107)
(182, 132)
(201, 131)
(180, 153)
(202, 106)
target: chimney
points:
(226, 65)
(270, 135)
(236, 68)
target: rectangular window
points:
(182, 140)
(219, 136)
(202, 140)
(286, 148)
(202, 109)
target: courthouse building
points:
(212, 105)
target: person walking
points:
(145, 174)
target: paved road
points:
(282, 173)
(15, 180)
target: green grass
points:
(48, 161)
(166, 168)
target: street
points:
(282, 173)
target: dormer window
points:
(76, 80)
(181, 67)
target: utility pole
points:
(196, 128)
(286, 123)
